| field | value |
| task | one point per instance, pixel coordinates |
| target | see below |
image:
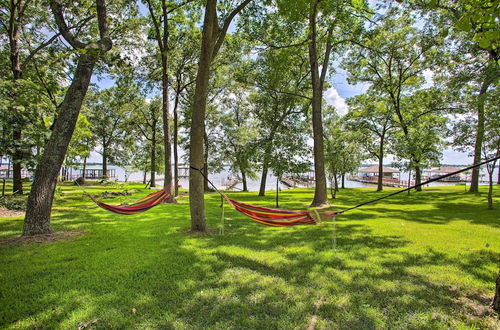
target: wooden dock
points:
(385, 182)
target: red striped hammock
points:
(141, 205)
(262, 215)
(277, 217)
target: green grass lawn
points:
(428, 260)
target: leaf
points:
(484, 43)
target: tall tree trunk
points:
(263, 179)
(84, 169)
(17, 187)
(380, 165)
(265, 169)
(176, 155)
(211, 41)
(343, 180)
(418, 178)
(37, 219)
(144, 177)
(104, 162)
(16, 9)
(197, 132)
(332, 188)
(166, 127)
(153, 157)
(244, 180)
(320, 192)
(478, 144)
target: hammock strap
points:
(420, 184)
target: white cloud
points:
(333, 98)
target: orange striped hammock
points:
(141, 205)
(280, 218)
(262, 215)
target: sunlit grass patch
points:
(427, 260)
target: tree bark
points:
(380, 181)
(263, 179)
(211, 41)
(320, 192)
(343, 180)
(104, 162)
(332, 188)
(206, 188)
(418, 178)
(153, 156)
(265, 165)
(37, 219)
(17, 183)
(478, 144)
(244, 180)
(496, 298)
(166, 130)
(197, 132)
(84, 169)
(176, 155)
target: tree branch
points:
(225, 26)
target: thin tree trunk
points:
(320, 192)
(343, 180)
(104, 162)
(197, 132)
(176, 156)
(17, 183)
(244, 179)
(144, 178)
(263, 179)
(37, 219)
(478, 144)
(14, 35)
(166, 128)
(265, 169)
(153, 157)
(418, 178)
(84, 169)
(380, 181)
(332, 188)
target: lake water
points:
(220, 180)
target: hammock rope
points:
(283, 218)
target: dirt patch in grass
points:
(49, 238)
(5, 213)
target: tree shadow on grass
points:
(252, 277)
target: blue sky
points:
(335, 96)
